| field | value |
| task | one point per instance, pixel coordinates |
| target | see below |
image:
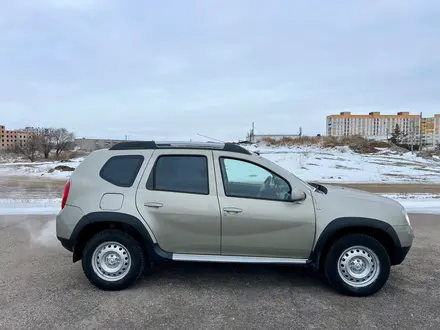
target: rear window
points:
(180, 173)
(122, 170)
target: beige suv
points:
(137, 203)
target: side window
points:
(248, 180)
(122, 170)
(180, 173)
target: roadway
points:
(41, 289)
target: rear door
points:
(177, 196)
(259, 220)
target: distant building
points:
(255, 138)
(380, 127)
(90, 145)
(276, 137)
(431, 130)
(34, 129)
(9, 138)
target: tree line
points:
(45, 142)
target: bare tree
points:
(62, 139)
(28, 148)
(47, 141)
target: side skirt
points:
(237, 259)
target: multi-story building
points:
(34, 129)
(431, 130)
(376, 126)
(9, 138)
(437, 128)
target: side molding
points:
(236, 259)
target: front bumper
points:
(406, 236)
(400, 255)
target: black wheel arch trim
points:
(155, 253)
(352, 222)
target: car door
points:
(261, 222)
(177, 197)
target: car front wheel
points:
(357, 265)
(113, 260)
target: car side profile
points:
(141, 202)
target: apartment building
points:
(380, 127)
(431, 130)
(9, 138)
(374, 125)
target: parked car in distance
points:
(142, 202)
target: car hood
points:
(342, 197)
(332, 202)
(358, 194)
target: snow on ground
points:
(39, 169)
(343, 165)
(29, 206)
(418, 203)
(310, 163)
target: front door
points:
(177, 197)
(258, 219)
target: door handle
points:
(153, 204)
(232, 210)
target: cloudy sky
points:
(174, 69)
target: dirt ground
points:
(383, 188)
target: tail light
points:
(65, 194)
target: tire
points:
(357, 265)
(113, 260)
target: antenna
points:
(210, 138)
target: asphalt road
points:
(40, 288)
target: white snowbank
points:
(40, 169)
(29, 206)
(312, 163)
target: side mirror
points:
(297, 196)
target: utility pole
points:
(251, 134)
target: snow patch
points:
(29, 206)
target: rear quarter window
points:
(122, 170)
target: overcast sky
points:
(175, 69)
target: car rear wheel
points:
(113, 260)
(357, 265)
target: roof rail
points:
(136, 145)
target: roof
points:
(136, 145)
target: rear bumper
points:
(66, 243)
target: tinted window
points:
(248, 180)
(186, 174)
(122, 170)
